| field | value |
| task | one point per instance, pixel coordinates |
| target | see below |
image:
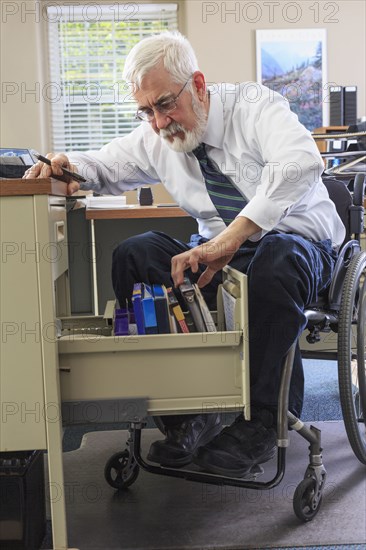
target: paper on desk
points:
(111, 206)
(108, 201)
(229, 309)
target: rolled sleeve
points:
(264, 212)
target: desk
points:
(34, 290)
(322, 145)
(34, 282)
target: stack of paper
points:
(106, 201)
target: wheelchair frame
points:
(345, 313)
(122, 469)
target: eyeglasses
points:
(165, 107)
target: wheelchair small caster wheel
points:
(119, 472)
(306, 501)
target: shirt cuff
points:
(264, 212)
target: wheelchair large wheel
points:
(352, 355)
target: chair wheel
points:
(118, 472)
(306, 502)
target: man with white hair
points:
(238, 160)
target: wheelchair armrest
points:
(345, 256)
(359, 189)
(319, 318)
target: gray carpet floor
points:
(158, 513)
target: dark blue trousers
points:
(285, 273)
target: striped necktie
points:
(226, 198)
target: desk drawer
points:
(176, 372)
(58, 253)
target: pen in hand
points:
(66, 172)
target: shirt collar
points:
(214, 133)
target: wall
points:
(223, 34)
(23, 77)
(24, 107)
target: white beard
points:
(192, 138)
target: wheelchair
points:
(342, 311)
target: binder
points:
(148, 310)
(121, 322)
(189, 296)
(176, 310)
(350, 105)
(161, 308)
(335, 106)
(137, 307)
(173, 323)
(342, 105)
(206, 313)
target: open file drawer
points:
(176, 373)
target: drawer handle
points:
(64, 369)
(60, 231)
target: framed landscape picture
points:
(293, 62)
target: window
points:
(88, 45)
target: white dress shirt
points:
(256, 140)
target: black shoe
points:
(177, 449)
(240, 448)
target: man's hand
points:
(42, 170)
(214, 254)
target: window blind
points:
(88, 45)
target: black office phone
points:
(14, 162)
